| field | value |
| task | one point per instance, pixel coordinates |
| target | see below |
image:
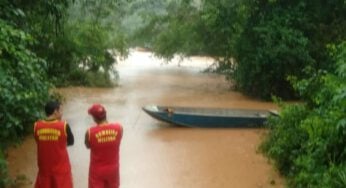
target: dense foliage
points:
(23, 87)
(187, 27)
(73, 36)
(259, 44)
(307, 142)
(282, 38)
(23, 79)
(83, 54)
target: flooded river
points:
(155, 154)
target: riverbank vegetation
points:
(287, 49)
(307, 143)
(258, 44)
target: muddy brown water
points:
(155, 154)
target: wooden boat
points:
(209, 117)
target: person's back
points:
(103, 139)
(52, 137)
(51, 141)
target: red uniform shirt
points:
(104, 143)
(51, 142)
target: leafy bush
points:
(23, 87)
(3, 170)
(278, 145)
(23, 84)
(307, 142)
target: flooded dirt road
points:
(154, 154)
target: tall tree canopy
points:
(269, 40)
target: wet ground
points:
(155, 154)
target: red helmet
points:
(97, 111)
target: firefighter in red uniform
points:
(52, 135)
(103, 140)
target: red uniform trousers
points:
(54, 181)
(104, 180)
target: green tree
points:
(23, 88)
(281, 39)
(91, 31)
(307, 142)
(194, 27)
(270, 49)
(259, 43)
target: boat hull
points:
(208, 117)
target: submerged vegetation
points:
(287, 49)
